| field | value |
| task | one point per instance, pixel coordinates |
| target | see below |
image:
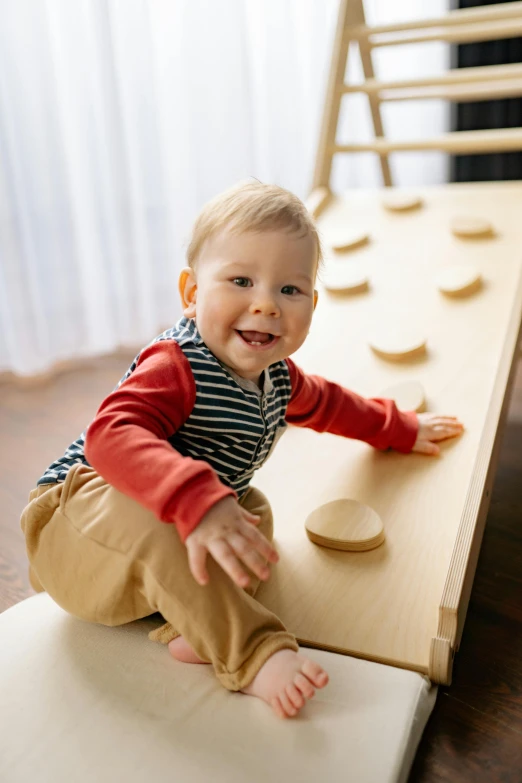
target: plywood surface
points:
(390, 604)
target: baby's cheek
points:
(221, 308)
(215, 313)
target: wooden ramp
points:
(403, 603)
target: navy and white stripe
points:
(233, 426)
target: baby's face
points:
(253, 297)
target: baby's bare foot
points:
(182, 651)
(286, 681)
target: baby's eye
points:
(293, 289)
(242, 282)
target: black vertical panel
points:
(504, 113)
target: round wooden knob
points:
(345, 524)
(395, 201)
(472, 228)
(398, 345)
(347, 239)
(408, 396)
(347, 277)
(459, 280)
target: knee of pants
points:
(38, 514)
(70, 557)
(35, 582)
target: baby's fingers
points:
(245, 551)
(223, 554)
(197, 557)
(426, 447)
(259, 542)
(254, 519)
(445, 429)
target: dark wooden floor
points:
(475, 732)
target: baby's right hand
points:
(228, 533)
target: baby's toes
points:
(315, 673)
(295, 696)
(286, 704)
(304, 685)
(277, 707)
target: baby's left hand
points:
(433, 427)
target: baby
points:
(178, 441)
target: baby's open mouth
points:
(256, 338)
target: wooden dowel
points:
(510, 88)
(457, 75)
(490, 31)
(462, 16)
(471, 142)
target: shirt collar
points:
(244, 383)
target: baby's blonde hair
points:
(252, 206)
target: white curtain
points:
(120, 118)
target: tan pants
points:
(105, 559)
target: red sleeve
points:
(327, 407)
(127, 444)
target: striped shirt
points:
(233, 426)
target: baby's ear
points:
(187, 286)
(316, 297)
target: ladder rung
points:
(467, 142)
(491, 90)
(491, 31)
(462, 16)
(457, 75)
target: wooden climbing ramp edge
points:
(403, 603)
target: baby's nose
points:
(265, 305)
